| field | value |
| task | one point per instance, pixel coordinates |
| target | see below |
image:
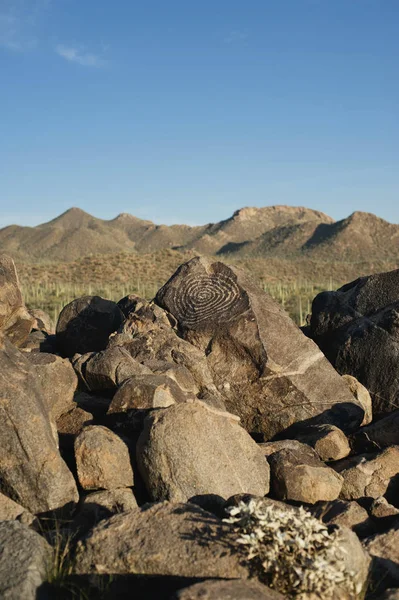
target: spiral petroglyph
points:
(204, 298)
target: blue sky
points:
(183, 111)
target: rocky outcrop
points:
(265, 369)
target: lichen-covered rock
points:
(102, 459)
(266, 370)
(24, 560)
(15, 320)
(192, 449)
(85, 325)
(299, 474)
(32, 471)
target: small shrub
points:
(290, 550)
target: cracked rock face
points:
(264, 368)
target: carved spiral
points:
(205, 299)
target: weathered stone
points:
(32, 471)
(194, 543)
(42, 321)
(369, 475)
(15, 320)
(102, 459)
(345, 513)
(107, 370)
(10, 511)
(266, 370)
(93, 403)
(392, 594)
(269, 448)
(362, 395)
(178, 373)
(58, 381)
(103, 505)
(70, 425)
(357, 329)
(233, 589)
(129, 303)
(146, 392)
(192, 449)
(38, 341)
(380, 434)
(162, 344)
(384, 548)
(380, 508)
(24, 560)
(329, 441)
(299, 474)
(85, 325)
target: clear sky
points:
(183, 111)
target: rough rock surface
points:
(192, 449)
(57, 379)
(345, 513)
(32, 471)
(357, 329)
(369, 475)
(266, 370)
(10, 511)
(15, 320)
(42, 321)
(362, 395)
(194, 544)
(103, 505)
(107, 370)
(234, 589)
(85, 325)
(299, 474)
(384, 548)
(380, 434)
(70, 425)
(102, 459)
(329, 441)
(24, 558)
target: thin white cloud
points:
(235, 36)
(18, 23)
(79, 56)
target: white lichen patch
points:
(291, 551)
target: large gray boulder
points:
(32, 471)
(163, 539)
(265, 369)
(192, 449)
(15, 320)
(85, 324)
(357, 328)
(24, 561)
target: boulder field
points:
(200, 445)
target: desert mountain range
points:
(272, 231)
